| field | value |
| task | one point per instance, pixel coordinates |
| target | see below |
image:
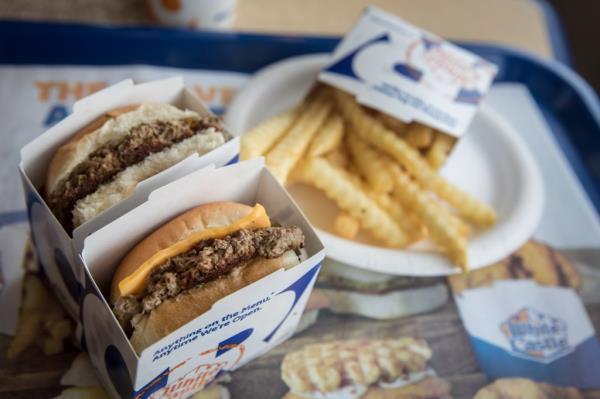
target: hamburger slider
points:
(180, 270)
(103, 162)
(365, 369)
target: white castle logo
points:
(536, 335)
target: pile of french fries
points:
(42, 320)
(380, 171)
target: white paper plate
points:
(491, 162)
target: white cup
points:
(194, 14)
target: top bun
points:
(212, 215)
(63, 158)
(112, 126)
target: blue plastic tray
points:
(569, 105)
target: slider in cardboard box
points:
(237, 328)
(57, 249)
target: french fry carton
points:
(409, 74)
(235, 330)
(56, 249)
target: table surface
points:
(518, 23)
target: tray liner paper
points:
(34, 98)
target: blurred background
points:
(579, 19)
(518, 23)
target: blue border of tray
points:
(569, 105)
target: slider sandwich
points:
(103, 162)
(180, 270)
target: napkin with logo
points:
(525, 318)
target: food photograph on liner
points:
(282, 199)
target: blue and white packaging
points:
(57, 251)
(408, 73)
(237, 329)
(519, 328)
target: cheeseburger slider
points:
(180, 270)
(102, 163)
(365, 369)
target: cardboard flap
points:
(409, 73)
(141, 193)
(36, 155)
(107, 246)
(250, 320)
(104, 95)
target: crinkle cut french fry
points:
(350, 198)
(338, 157)
(419, 135)
(345, 225)
(42, 320)
(61, 329)
(30, 316)
(52, 346)
(288, 151)
(408, 222)
(438, 151)
(28, 328)
(379, 136)
(441, 232)
(369, 163)
(262, 137)
(460, 226)
(411, 225)
(328, 137)
(84, 393)
(393, 123)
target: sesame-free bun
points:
(111, 126)
(175, 312)
(83, 142)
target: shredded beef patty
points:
(207, 261)
(102, 165)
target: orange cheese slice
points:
(135, 283)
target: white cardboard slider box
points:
(238, 328)
(56, 249)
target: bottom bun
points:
(182, 309)
(390, 305)
(428, 388)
